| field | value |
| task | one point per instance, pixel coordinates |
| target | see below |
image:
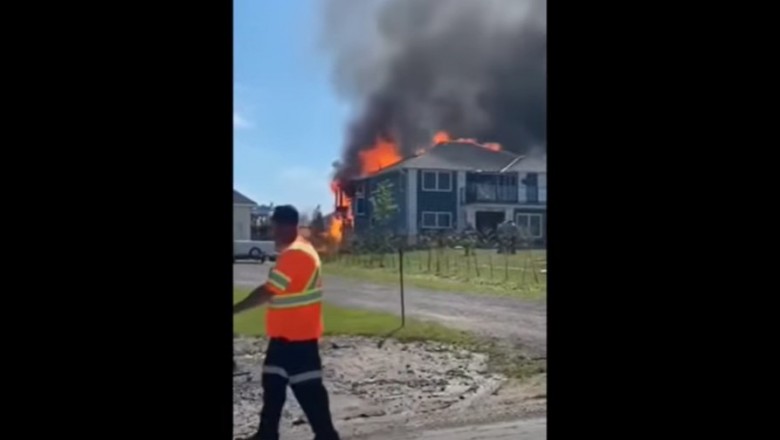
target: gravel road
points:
(521, 323)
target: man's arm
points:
(258, 297)
(277, 283)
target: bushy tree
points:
(317, 224)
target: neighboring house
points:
(261, 214)
(459, 184)
(242, 216)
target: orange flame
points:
(342, 212)
(493, 146)
(441, 137)
(382, 154)
(336, 231)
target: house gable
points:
(240, 199)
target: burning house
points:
(452, 185)
(412, 68)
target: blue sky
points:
(288, 124)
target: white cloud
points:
(240, 122)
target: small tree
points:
(317, 222)
(383, 204)
(383, 210)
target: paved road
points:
(520, 322)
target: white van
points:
(254, 250)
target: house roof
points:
(240, 199)
(462, 156)
(532, 163)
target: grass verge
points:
(353, 322)
(439, 283)
(521, 275)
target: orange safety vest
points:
(294, 312)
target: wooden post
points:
(401, 280)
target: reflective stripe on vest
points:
(296, 299)
(313, 292)
(314, 282)
(278, 279)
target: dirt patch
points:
(375, 389)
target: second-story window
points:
(437, 181)
(360, 200)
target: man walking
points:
(294, 325)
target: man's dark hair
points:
(285, 215)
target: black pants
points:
(297, 364)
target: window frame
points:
(437, 185)
(528, 227)
(436, 220)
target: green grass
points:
(516, 275)
(353, 322)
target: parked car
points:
(254, 250)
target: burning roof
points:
(443, 153)
(456, 155)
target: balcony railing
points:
(507, 194)
(488, 193)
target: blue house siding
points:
(398, 222)
(437, 201)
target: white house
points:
(242, 216)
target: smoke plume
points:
(474, 68)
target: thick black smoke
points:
(475, 68)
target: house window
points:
(360, 200)
(531, 225)
(437, 181)
(436, 220)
